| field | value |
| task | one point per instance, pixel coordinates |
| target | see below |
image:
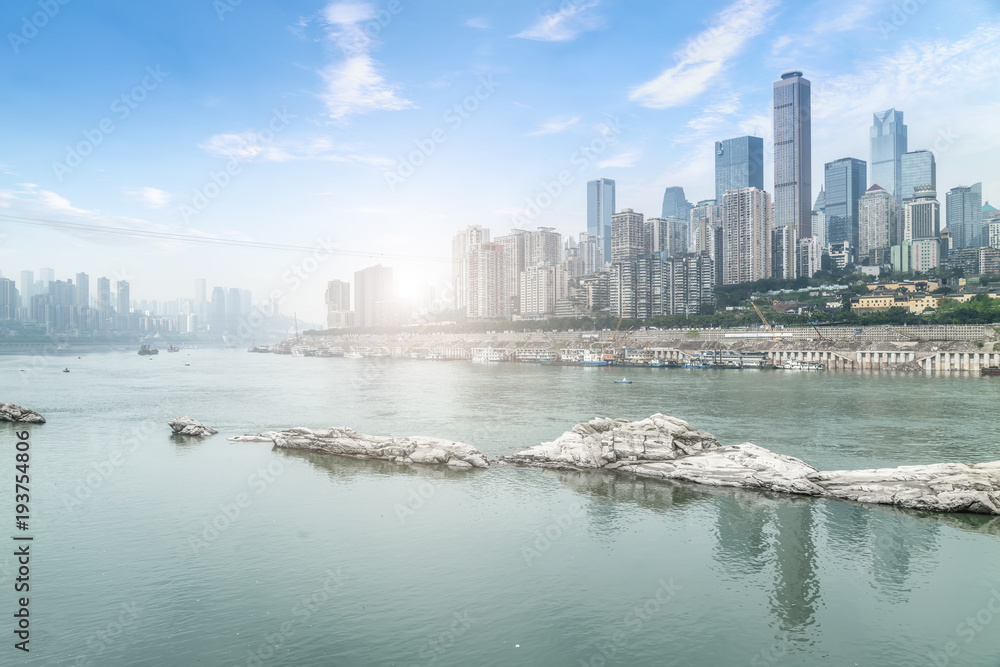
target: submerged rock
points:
(15, 413)
(192, 427)
(668, 448)
(347, 442)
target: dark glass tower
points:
(739, 163)
(793, 153)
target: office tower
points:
(793, 154)
(628, 236)
(846, 182)
(46, 276)
(543, 247)
(27, 288)
(217, 311)
(589, 251)
(104, 297)
(888, 144)
(965, 215)
(515, 251)
(668, 236)
(487, 294)
(123, 298)
(460, 245)
(375, 298)
(675, 204)
(922, 216)
(541, 288)
(9, 299)
(739, 163)
(601, 207)
(877, 226)
(83, 290)
(746, 236)
(819, 217)
(918, 169)
(338, 305)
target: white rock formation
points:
(668, 448)
(347, 442)
(15, 413)
(192, 427)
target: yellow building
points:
(879, 301)
(905, 286)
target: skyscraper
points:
(460, 246)
(338, 305)
(487, 293)
(600, 207)
(918, 169)
(234, 309)
(739, 163)
(200, 298)
(846, 182)
(9, 299)
(374, 297)
(746, 236)
(819, 218)
(668, 236)
(628, 236)
(123, 297)
(965, 215)
(46, 276)
(104, 297)
(793, 153)
(217, 311)
(922, 216)
(27, 288)
(876, 225)
(888, 144)
(83, 290)
(675, 204)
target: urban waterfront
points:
(164, 551)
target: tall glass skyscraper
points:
(600, 208)
(964, 215)
(846, 182)
(888, 135)
(739, 163)
(675, 204)
(793, 153)
(919, 169)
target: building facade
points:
(877, 226)
(739, 163)
(628, 236)
(846, 182)
(601, 207)
(888, 145)
(746, 236)
(964, 214)
(374, 298)
(793, 153)
(918, 169)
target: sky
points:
(382, 129)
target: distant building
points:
(926, 254)
(739, 163)
(338, 305)
(540, 290)
(82, 290)
(965, 215)
(675, 204)
(918, 170)
(901, 257)
(487, 293)
(877, 226)
(706, 233)
(922, 216)
(888, 144)
(783, 248)
(375, 298)
(601, 206)
(124, 301)
(104, 297)
(793, 154)
(9, 300)
(819, 217)
(628, 236)
(746, 236)
(841, 254)
(515, 253)
(667, 235)
(846, 182)
(810, 259)
(460, 247)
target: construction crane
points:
(770, 329)
(818, 332)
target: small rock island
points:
(15, 413)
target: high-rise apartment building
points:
(338, 305)
(739, 163)
(515, 251)
(541, 287)
(9, 300)
(104, 297)
(46, 276)
(877, 226)
(217, 311)
(628, 236)
(601, 207)
(544, 246)
(746, 236)
(965, 215)
(462, 242)
(83, 290)
(487, 293)
(667, 235)
(888, 144)
(706, 233)
(123, 299)
(793, 154)
(375, 298)
(918, 170)
(846, 182)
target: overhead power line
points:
(191, 238)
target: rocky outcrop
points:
(15, 413)
(347, 442)
(668, 448)
(192, 427)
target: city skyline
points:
(655, 138)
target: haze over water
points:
(343, 562)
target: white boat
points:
(353, 355)
(623, 381)
(488, 355)
(799, 365)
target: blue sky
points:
(354, 89)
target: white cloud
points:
(242, 147)
(56, 202)
(246, 147)
(355, 85)
(706, 55)
(622, 160)
(564, 25)
(151, 197)
(555, 125)
(479, 22)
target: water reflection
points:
(343, 469)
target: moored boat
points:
(991, 370)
